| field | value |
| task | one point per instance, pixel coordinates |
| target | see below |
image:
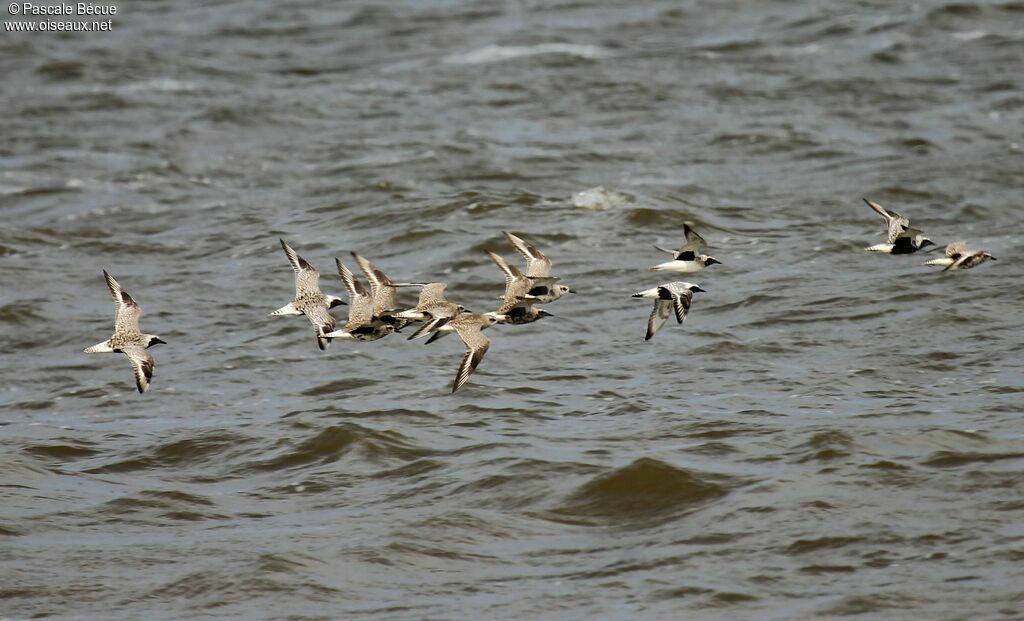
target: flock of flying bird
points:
(902, 239)
(375, 314)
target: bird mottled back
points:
(432, 293)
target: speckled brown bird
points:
(309, 300)
(128, 339)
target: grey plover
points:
(517, 303)
(383, 290)
(688, 258)
(469, 328)
(516, 307)
(669, 296)
(900, 237)
(309, 301)
(432, 308)
(445, 328)
(127, 338)
(958, 256)
(362, 324)
(538, 269)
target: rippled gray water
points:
(830, 434)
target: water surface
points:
(830, 434)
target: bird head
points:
(492, 318)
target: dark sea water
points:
(830, 434)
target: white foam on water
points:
(599, 198)
(497, 53)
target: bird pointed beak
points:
(712, 261)
(572, 291)
(158, 340)
(697, 289)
